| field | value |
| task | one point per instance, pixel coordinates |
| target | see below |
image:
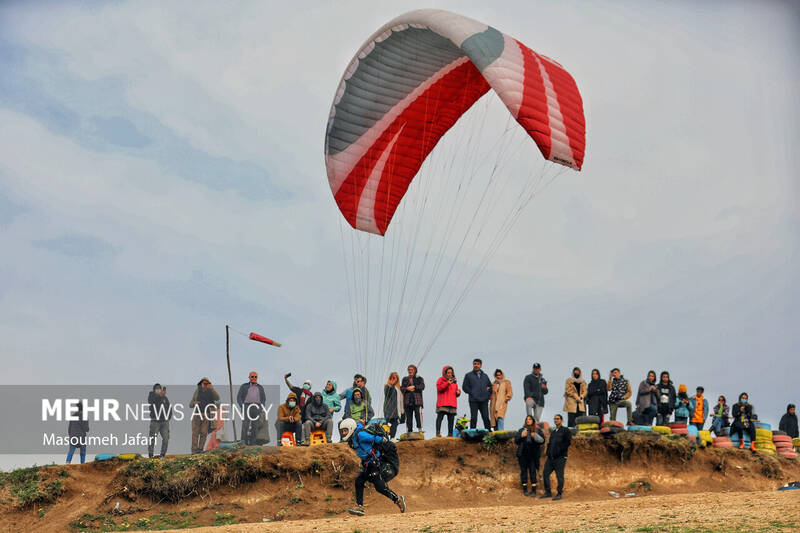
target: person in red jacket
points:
(447, 393)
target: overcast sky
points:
(162, 174)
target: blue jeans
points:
(72, 451)
(499, 422)
(716, 425)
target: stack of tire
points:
(662, 430)
(796, 442)
(678, 429)
(736, 439)
(783, 444)
(611, 427)
(721, 442)
(764, 441)
(588, 425)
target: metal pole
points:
(230, 377)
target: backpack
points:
(388, 461)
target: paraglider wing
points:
(411, 81)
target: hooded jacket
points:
(77, 429)
(477, 386)
(362, 442)
(284, 411)
(533, 386)
(331, 399)
(359, 411)
(681, 408)
(317, 412)
(447, 393)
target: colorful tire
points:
(728, 444)
(104, 456)
(680, 431)
(504, 435)
(782, 438)
(613, 423)
(640, 428)
(587, 419)
(676, 425)
(663, 430)
(128, 456)
(788, 454)
(762, 425)
(779, 433)
(763, 434)
(587, 427)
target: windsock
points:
(265, 340)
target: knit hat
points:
(682, 388)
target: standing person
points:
(331, 398)
(529, 440)
(251, 398)
(682, 406)
(368, 448)
(720, 417)
(557, 448)
(619, 391)
(447, 393)
(318, 417)
(698, 407)
(360, 383)
(478, 387)
(535, 387)
(574, 396)
(498, 402)
(303, 393)
(204, 411)
(77, 430)
(742, 413)
(597, 396)
(666, 399)
(393, 409)
(788, 423)
(359, 409)
(647, 399)
(160, 414)
(412, 387)
(289, 418)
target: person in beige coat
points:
(574, 397)
(498, 403)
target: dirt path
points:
(704, 512)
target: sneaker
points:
(401, 503)
(545, 495)
(358, 510)
(556, 497)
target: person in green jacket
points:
(359, 409)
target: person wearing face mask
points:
(447, 393)
(647, 400)
(742, 413)
(498, 402)
(666, 399)
(412, 387)
(393, 409)
(318, 417)
(556, 461)
(160, 415)
(529, 440)
(289, 417)
(303, 393)
(574, 396)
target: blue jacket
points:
(477, 386)
(693, 407)
(363, 441)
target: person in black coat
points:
(665, 399)
(788, 422)
(529, 440)
(557, 448)
(412, 387)
(597, 396)
(742, 414)
(77, 430)
(479, 389)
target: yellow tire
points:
(763, 434)
(664, 430)
(587, 427)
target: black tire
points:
(590, 419)
(778, 432)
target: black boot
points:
(533, 491)
(524, 490)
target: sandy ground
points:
(701, 512)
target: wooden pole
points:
(230, 377)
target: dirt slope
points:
(438, 474)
